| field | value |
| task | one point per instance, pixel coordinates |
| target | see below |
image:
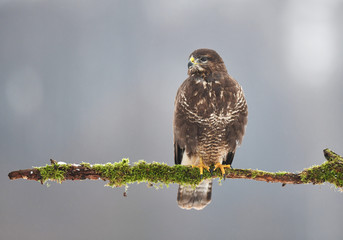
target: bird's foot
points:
(201, 167)
(222, 168)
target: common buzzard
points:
(209, 122)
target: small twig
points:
(122, 173)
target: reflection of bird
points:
(209, 122)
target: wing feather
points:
(178, 153)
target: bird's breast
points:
(207, 103)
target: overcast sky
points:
(95, 81)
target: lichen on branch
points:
(123, 173)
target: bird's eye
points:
(203, 59)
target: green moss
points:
(254, 174)
(123, 173)
(257, 173)
(331, 156)
(330, 171)
(55, 172)
(87, 165)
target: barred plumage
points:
(209, 120)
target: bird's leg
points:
(201, 167)
(221, 167)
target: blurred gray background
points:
(95, 81)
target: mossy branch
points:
(122, 173)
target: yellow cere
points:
(192, 59)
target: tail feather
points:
(198, 198)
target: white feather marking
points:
(201, 101)
(185, 159)
(189, 161)
(221, 94)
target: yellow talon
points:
(221, 167)
(201, 167)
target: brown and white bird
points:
(209, 122)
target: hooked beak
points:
(191, 62)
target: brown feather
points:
(198, 198)
(210, 115)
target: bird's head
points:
(204, 62)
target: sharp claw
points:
(222, 168)
(201, 167)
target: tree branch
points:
(122, 173)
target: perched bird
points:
(210, 116)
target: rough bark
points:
(122, 173)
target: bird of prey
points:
(210, 116)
